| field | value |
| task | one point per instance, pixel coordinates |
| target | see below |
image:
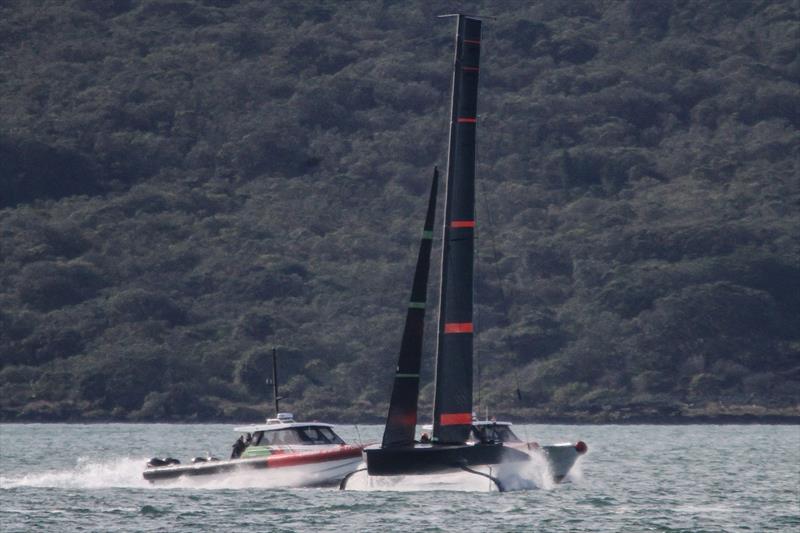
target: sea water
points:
(70, 477)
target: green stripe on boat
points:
(256, 451)
(406, 375)
(427, 234)
(416, 305)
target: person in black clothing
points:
(238, 447)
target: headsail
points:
(402, 420)
(452, 413)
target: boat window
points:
(330, 435)
(493, 433)
(504, 434)
(281, 436)
(301, 435)
(312, 435)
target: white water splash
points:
(126, 472)
(534, 474)
(87, 474)
(576, 472)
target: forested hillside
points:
(186, 183)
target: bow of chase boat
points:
(559, 457)
(305, 453)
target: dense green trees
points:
(184, 184)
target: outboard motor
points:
(155, 462)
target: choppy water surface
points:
(634, 478)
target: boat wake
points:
(126, 472)
(86, 474)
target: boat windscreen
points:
(280, 436)
(318, 435)
(300, 435)
(493, 433)
(332, 437)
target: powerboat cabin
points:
(284, 434)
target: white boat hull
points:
(325, 468)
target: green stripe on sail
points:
(406, 375)
(416, 305)
(427, 234)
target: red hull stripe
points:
(455, 419)
(467, 120)
(471, 41)
(462, 224)
(295, 459)
(470, 69)
(458, 327)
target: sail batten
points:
(452, 415)
(402, 418)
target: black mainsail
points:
(452, 411)
(401, 422)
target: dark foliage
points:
(184, 184)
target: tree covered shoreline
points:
(185, 184)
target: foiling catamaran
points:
(459, 442)
(281, 450)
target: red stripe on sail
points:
(470, 69)
(467, 120)
(407, 419)
(471, 41)
(462, 224)
(455, 419)
(458, 327)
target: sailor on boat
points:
(240, 445)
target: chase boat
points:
(305, 454)
(559, 457)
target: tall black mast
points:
(452, 408)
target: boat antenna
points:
(490, 233)
(275, 380)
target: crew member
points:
(238, 447)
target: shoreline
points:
(643, 420)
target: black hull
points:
(434, 459)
